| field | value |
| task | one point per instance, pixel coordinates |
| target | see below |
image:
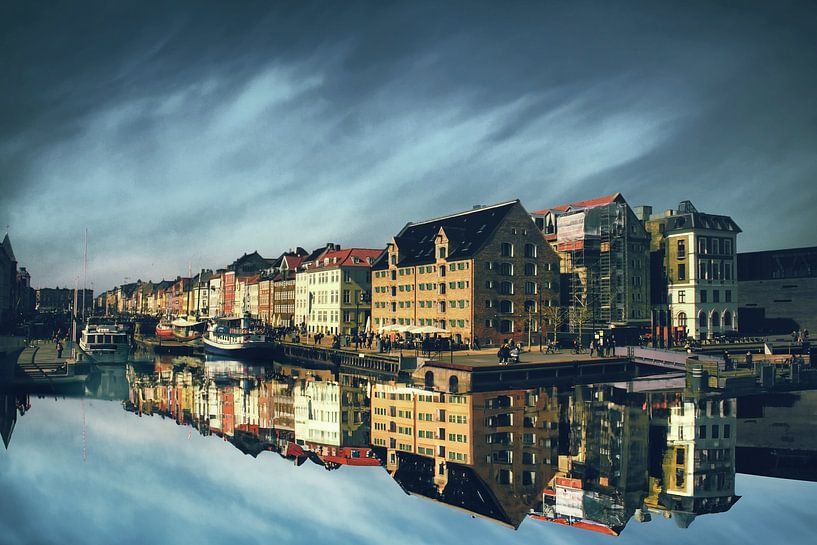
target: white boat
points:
(238, 338)
(105, 343)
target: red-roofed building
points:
(332, 293)
(605, 267)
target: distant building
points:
(62, 299)
(696, 251)
(778, 291)
(604, 253)
(483, 273)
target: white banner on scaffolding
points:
(570, 227)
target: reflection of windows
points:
(680, 454)
(679, 478)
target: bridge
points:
(668, 359)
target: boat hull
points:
(254, 350)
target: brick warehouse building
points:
(483, 273)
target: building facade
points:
(481, 274)
(777, 291)
(331, 292)
(697, 251)
(604, 253)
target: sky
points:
(182, 135)
(149, 480)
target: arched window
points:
(702, 320)
(429, 381)
(682, 319)
(506, 306)
(716, 319)
(453, 384)
(727, 319)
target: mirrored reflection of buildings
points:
(302, 414)
(589, 456)
(592, 457)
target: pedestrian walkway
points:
(39, 360)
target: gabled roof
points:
(589, 203)
(466, 231)
(292, 261)
(7, 248)
(350, 257)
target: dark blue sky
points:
(185, 134)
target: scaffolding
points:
(595, 268)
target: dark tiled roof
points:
(700, 220)
(466, 231)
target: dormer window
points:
(441, 252)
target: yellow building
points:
(483, 273)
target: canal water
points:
(132, 461)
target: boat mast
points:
(84, 274)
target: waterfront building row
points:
(485, 275)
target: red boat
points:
(164, 330)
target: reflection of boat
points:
(105, 342)
(238, 338)
(187, 330)
(222, 368)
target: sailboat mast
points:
(84, 274)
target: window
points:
(727, 319)
(682, 249)
(727, 296)
(506, 269)
(442, 288)
(703, 296)
(679, 456)
(441, 253)
(506, 307)
(506, 249)
(716, 296)
(703, 245)
(727, 247)
(682, 296)
(347, 296)
(701, 432)
(506, 288)
(682, 271)
(442, 270)
(530, 250)
(530, 269)
(442, 306)
(530, 288)
(682, 319)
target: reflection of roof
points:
(8, 417)
(181, 322)
(464, 490)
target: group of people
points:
(508, 351)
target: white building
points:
(331, 294)
(700, 270)
(215, 298)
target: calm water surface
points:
(85, 470)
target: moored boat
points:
(105, 342)
(187, 330)
(239, 338)
(164, 330)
